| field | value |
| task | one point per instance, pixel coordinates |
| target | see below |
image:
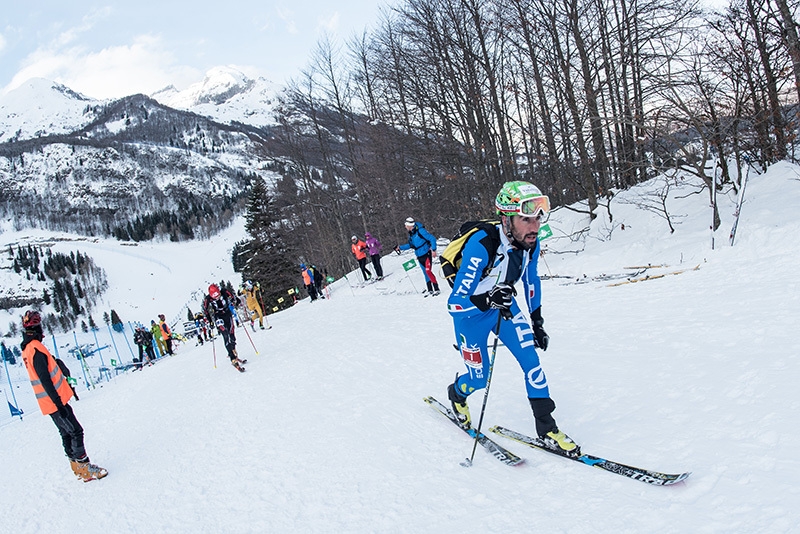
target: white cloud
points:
(140, 67)
(2, 43)
(88, 22)
(287, 16)
(329, 24)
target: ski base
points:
(643, 475)
(495, 449)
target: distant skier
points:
(320, 274)
(424, 245)
(53, 394)
(217, 307)
(155, 329)
(252, 292)
(494, 259)
(359, 250)
(308, 281)
(166, 333)
(374, 250)
(144, 339)
(202, 327)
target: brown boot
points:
(76, 468)
(86, 471)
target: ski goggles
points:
(537, 207)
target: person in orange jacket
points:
(359, 249)
(53, 394)
(308, 281)
(166, 332)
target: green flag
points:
(410, 264)
(545, 232)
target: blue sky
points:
(113, 49)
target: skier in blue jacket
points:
(493, 260)
(424, 245)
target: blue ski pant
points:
(472, 333)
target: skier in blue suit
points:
(424, 245)
(493, 260)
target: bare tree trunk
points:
(792, 43)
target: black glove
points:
(62, 409)
(500, 297)
(540, 338)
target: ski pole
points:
(214, 352)
(263, 310)
(468, 461)
(246, 332)
(351, 285)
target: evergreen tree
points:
(92, 324)
(116, 322)
(269, 256)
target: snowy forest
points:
(429, 113)
(71, 283)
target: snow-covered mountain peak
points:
(226, 94)
(219, 85)
(42, 107)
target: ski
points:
(496, 450)
(636, 473)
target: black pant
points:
(228, 337)
(312, 291)
(71, 433)
(376, 262)
(362, 263)
(146, 349)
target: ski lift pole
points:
(11, 387)
(113, 342)
(100, 352)
(133, 356)
(99, 349)
(84, 365)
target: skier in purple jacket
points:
(374, 251)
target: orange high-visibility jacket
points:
(165, 331)
(359, 249)
(46, 404)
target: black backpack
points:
(450, 257)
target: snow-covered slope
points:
(327, 431)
